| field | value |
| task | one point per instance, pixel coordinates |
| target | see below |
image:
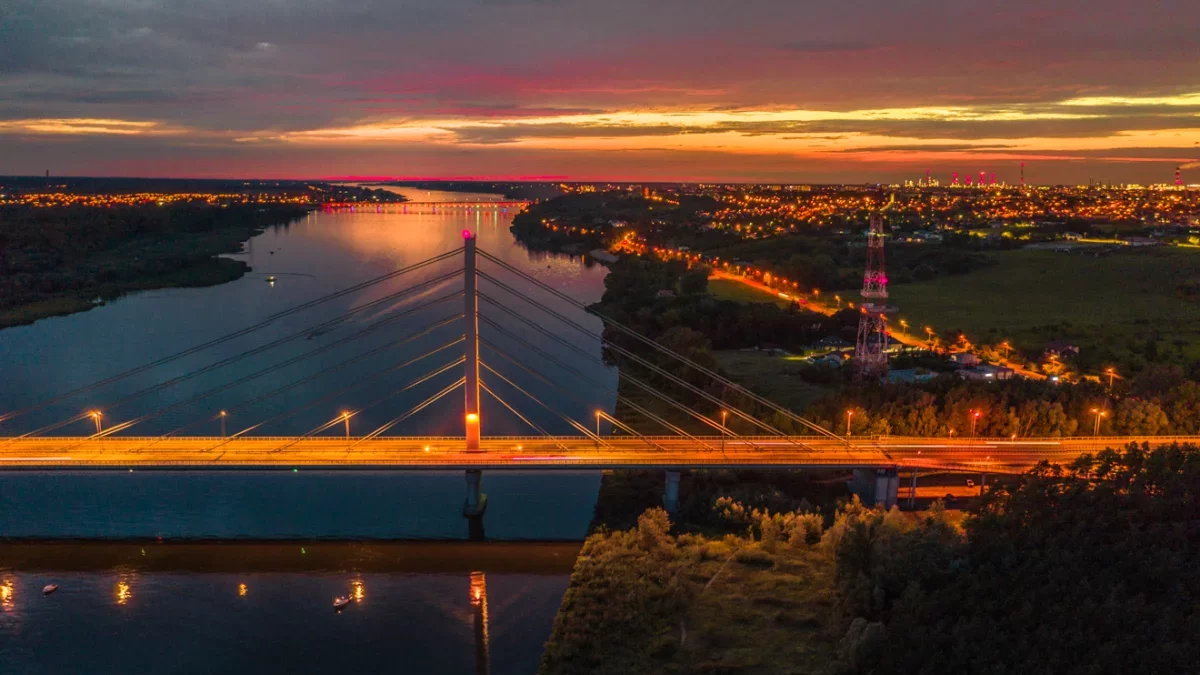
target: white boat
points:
(340, 603)
(270, 280)
(50, 588)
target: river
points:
(215, 571)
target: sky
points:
(672, 90)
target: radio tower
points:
(870, 360)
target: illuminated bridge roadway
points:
(875, 462)
(548, 453)
(883, 455)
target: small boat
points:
(270, 280)
(50, 588)
(340, 603)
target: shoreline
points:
(199, 260)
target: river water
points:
(148, 601)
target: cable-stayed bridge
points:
(497, 350)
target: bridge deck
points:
(541, 453)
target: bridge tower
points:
(476, 501)
(870, 359)
(471, 321)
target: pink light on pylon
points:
(993, 179)
(955, 180)
(467, 234)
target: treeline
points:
(1085, 569)
(832, 262)
(634, 295)
(1158, 401)
(84, 251)
(1089, 568)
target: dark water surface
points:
(267, 608)
(175, 607)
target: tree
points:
(1139, 417)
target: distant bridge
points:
(447, 206)
(875, 461)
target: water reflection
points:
(115, 613)
(479, 603)
(6, 596)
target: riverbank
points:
(646, 601)
(60, 261)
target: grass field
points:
(1110, 306)
(775, 378)
(727, 289)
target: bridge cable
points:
(338, 420)
(334, 394)
(520, 416)
(230, 336)
(292, 385)
(665, 423)
(247, 353)
(629, 331)
(579, 427)
(749, 418)
(415, 409)
(593, 382)
(278, 366)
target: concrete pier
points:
(671, 493)
(476, 502)
(876, 486)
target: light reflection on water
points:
(165, 609)
(185, 608)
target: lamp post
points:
(849, 414)
(95, 415)
(839, 300)
(1099, 413)
(724, 431)
(346, 420)
(974, 419)
(1111, 374)
(929, 334)
(904, 327)
(222, 415)
(598, 426)
(1006, 347)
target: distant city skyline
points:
(707, 90)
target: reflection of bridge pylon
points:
(479, 606)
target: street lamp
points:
(1099, 413)
(974, 419)
(1111, 374)
(597, 424)
(904, 327)
(95, 415)
(929, 333)
(222, 415)
(346, 419)
(849, 414)
(1006, 347)
(839, 300)
(724, 431)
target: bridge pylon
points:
(471, 363)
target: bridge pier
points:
(876, 487)
(476, 502)
(671, 492)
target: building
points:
(1061, 349)
(965, 359)
(986, 373)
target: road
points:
(827, 309)
(548, 453)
